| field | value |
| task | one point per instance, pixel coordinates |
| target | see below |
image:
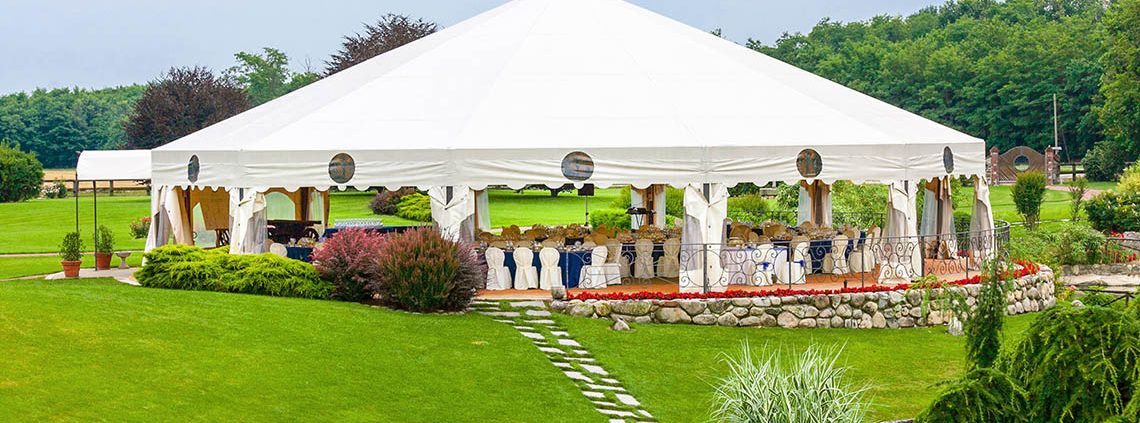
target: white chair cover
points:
(278, 249)
(526, 275)
(498, 275)
(615, 256)
(643, 262)
(764, 271)
(738, 266)
(670, 263)
(794, 273)
(598, 273)
(839, 255)
(551, 275)
(862, 259)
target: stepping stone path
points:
(601, 387)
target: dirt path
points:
(1088, 194)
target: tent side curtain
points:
(453, 211)
(706, 207)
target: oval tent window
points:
(342, 168)
(1021, 163)
(577, 166)
(809, 163)
(193, 168)
(948, 160)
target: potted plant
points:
(104, 248)
(69, 252)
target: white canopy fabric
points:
(455, 216)
(704, 228)
(113, 165)
(504, 97)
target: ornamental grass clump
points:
(349, 261)
(422, 272)
(809, 388)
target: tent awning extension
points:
(113, 165)
(567, 91)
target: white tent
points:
(504, 97)
(113, 165)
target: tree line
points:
(985, 67)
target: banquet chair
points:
(643, 262)
(498, 275)
(764, 262)
(838, 256)
(805, 241)
(526, 276)
(796, 271)
(279, 249)
(738, 265)
(551, 275)
(598, 274)
(670, 264)
(615, 256)
(862, 259)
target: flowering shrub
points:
(140, 227)
(385, 202)
(348, 260)
(1025, 268)
(422, 272)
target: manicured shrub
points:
(984, 395)
(1028, 193)
(386, 202)
(1104, 161)
(348, 260)
(612, 218)
(422, 272)
(810, 388)
(192, 268)
(105, 243)
(140, 227)
(70, 247)
(1077, 364)
(1114, 212)
(415, 207)
(20, 174)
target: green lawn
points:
(14, 267)
(36, 226)
(98, 350)
(671, 368)
(1055, 207)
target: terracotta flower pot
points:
(103, 261)
(71, 268)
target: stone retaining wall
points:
(1101, 269)
(896, 309)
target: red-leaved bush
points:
(422, 272)
(348, 260)
(385, 201)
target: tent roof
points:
(113, 165)
(503, 97)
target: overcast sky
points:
(100, 43)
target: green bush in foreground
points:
(422, 272)
(192, 268)
(984, 395)
(1114, 212)
(811, 388)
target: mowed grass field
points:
(100, 350)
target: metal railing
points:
(707, 267)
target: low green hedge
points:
(195, 269)
(612, 218)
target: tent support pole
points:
(76, 186)
(95, 212)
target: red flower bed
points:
(1027, 268)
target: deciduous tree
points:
(388, 33)
(185, 100)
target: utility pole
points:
(1056, 139)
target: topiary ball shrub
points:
(1078, 364)
(192, 268)
(415, 207)
(984, 395)
(385, 202)
(20, 174)
(422, 272)
(348, 260)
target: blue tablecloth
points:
(299, 253)
(571, 263)
(820, 248)
(379, 229)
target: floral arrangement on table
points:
(140, 227)
(1025, 268)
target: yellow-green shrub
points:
(192, 268)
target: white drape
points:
(814, 192)
(455, 218)
(482, 210)
(637, 198)
(982, 220)
(248, 232)
(177, 216)
(702, 237)
(901, 257)
(159, 232)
